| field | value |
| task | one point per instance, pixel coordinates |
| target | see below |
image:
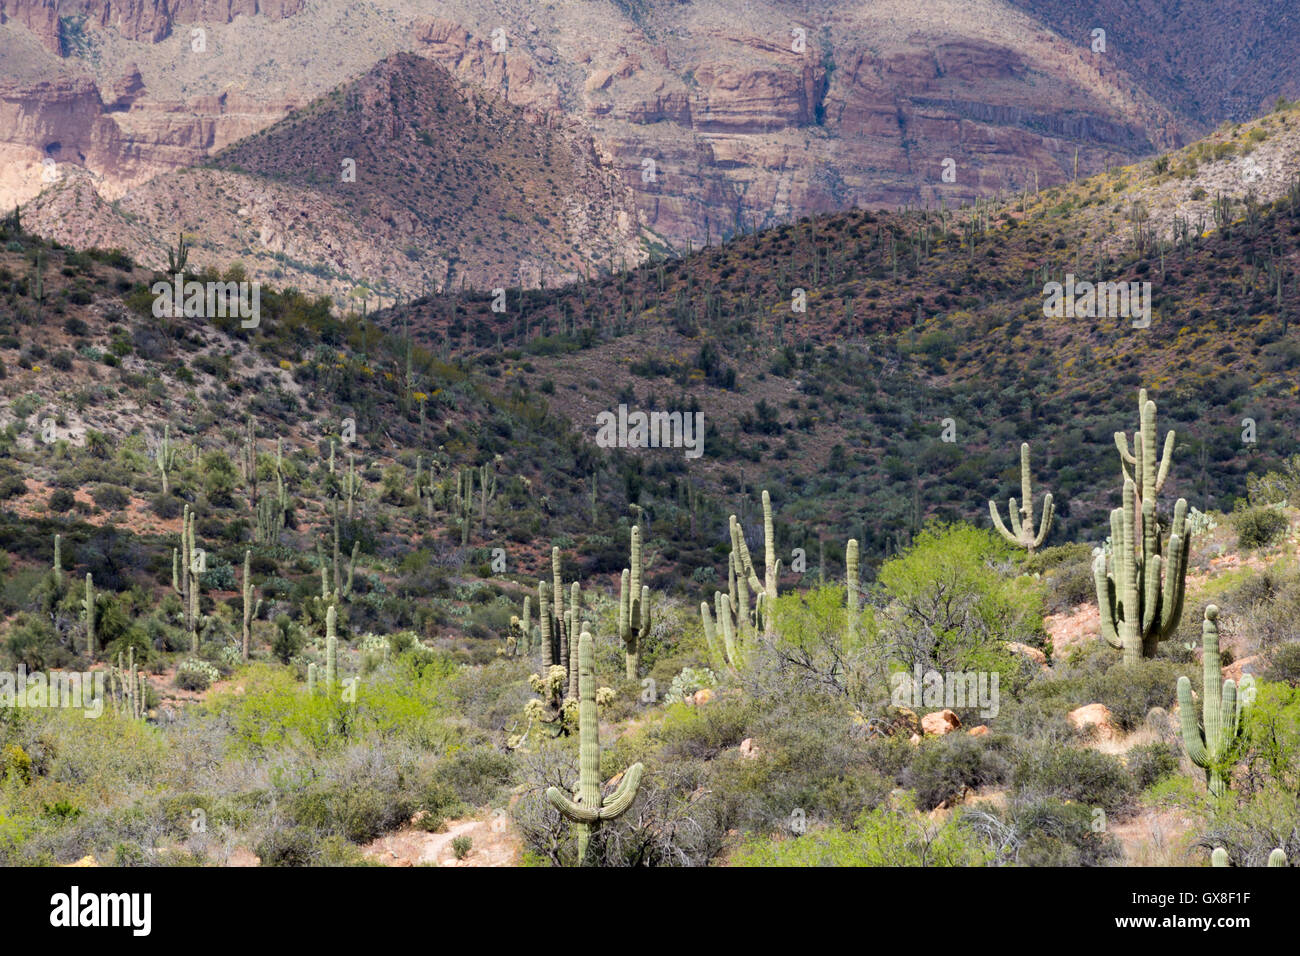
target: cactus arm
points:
(1105, 585)
(617, 803)
(575, 811)
(728, 632)
(741, 547)
(1165, 460)
(1049, 510)
(1192, 739)
(1277, 857)
(1013, 513)
(710, 632)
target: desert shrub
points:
(1257, 527)
(461, 845)
(884, 836)
(1130, 691)
(195, 675)
(110, 497)
(1251, 829)
(288, 846)
(1149, 762)
(946, 766)
(1046, 832)
(61, 501)
(1064, 773)
(1284, 664)
(477, 775)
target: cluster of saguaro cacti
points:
(88, 612)
(187, 565)
(250, 611)
(177, 258)
(1141, 597)
(634, 606)
(336, 585)
(587, 809)
(1220, 857)
(1212, 742)
(128, 686)
(351, 483)
(1022, 518)
(737, 620)
(556, 626)
(165, 457)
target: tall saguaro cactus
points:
(1022, 519)
(185, 577)
(588, 809)
(634, 606)
(88, 607)
(331, 650)
(1212, 742)
(1141, 598)
(250, 611)
(166, 457)
(766, 588)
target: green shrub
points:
(461, 845)
(1149, 762)
(1257, 527)
(946, 766)
(1064, 773)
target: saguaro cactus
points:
(634, 606)
(250, 611)
(88, 608)
(851, 585)
(1213, 742)
(1138, 609)
(766, 588)
(331, 650)
(166, 457)
(58, 559)
(185, 577)
(1022, 519)
(588, 809)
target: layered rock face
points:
(144, 20)
(717, 115)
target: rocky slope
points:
(717, 115)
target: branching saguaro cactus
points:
(732, 650)
(1214, 742)
(588, 809)
(634, 606)
(766, 588)
(1022, 519)
(1141, 598)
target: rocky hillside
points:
(398, 184)
(717, 116)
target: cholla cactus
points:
(1022, 520)
(1214, 742)
(634, 606)
(589, 809)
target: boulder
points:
(939, 723)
